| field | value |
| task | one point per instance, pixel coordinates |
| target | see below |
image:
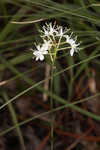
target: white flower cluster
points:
(42, 50)
(49, 34)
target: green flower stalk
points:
(54, 39)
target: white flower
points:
(54, 35)
(61, 32)
(72, 43)
(49, 30)
(40, 52)
(46, 45)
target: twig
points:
(27, 22)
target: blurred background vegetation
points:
(24, 83)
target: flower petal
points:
(41, 57)
(72, 52)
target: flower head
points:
(62, 31)
(46, 45)
(40, 52)
(49, 30)
(72, 42)
(53, 38)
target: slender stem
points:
(50, 50)
(56, 49)
(51, 106)
(51, 89)
(64, 48)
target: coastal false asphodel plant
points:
(54, 39)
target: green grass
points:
(82, 17)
